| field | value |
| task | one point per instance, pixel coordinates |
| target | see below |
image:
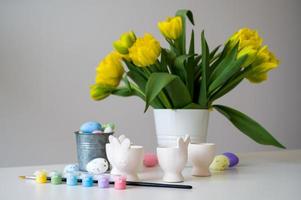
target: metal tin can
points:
(90, 146)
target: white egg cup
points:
(201, 156)
(110, 153)
(172, 160)
(125, 158)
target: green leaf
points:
(192, 106)
(191, 63)
(203, 98)
(227, 87)
(173, 46)
(213, 52)
(138, 79)
(163, 64)
(173, 85)
(179, 67)
(198, 66)
(132, 67)
(181, 41)
(227, 73)
(178, 93)
(170, 58)
(248, 126)
(230, 84)
(224, 63)
(155, 84)
(220, 58)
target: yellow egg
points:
(220, 163)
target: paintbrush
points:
(132, 183)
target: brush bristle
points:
(22, 177)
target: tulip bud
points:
(100, 91)
(125, 42)
(171, 28)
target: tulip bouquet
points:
(180, 78)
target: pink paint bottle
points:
(120, 183)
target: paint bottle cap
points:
(87, 180)
(56, 177)
(120, 183)
(103, 181)
(71, 179)
(41, 176)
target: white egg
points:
(97, 166)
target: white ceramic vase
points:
(172, 160)
(126, 158)
(171, 124)
(201, 156)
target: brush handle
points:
(163, 185)
(134, 183)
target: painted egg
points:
(233, 159)
(220, 163)
(108, 130)
(71, 168)
(97, 166)
(89, 127)
(150, 160)
(112, 125)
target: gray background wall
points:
(49, 51)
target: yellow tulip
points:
(264, 62)
(100, 91)
(145, 51)
(249, 44)
(246, 38)
(110, 70)
(250, 52)
(171, 28)
(125, 42)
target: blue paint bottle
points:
(87, 180)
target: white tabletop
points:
(263, 175)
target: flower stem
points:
(165, 100)
(137, 91)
